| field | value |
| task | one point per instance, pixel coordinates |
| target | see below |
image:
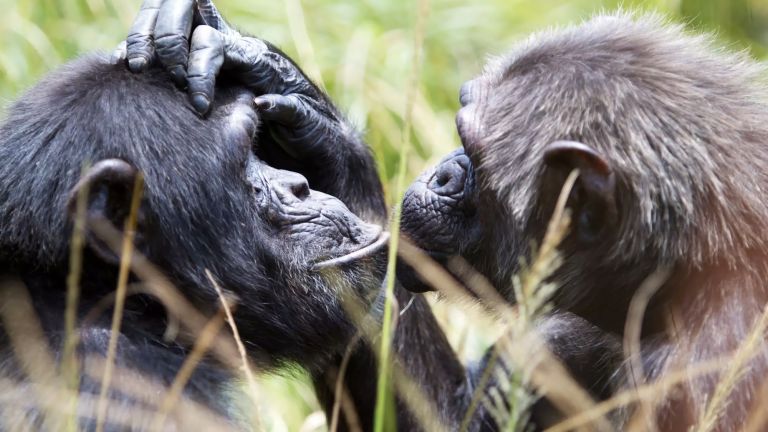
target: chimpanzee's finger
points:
(206, 56)
(299, 128)
(262, 69)
(174, 23)
(140, 42)
(118, 55)
(288, 110)
(211, 17)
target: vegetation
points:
(362, 52)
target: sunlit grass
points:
(363, 53)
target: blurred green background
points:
(361, 51)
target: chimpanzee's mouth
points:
(369, 249)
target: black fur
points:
(198, 212)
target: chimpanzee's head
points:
(290, 254)
(653, 119)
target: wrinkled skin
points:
(445, 213)
(318, 224)
(300, 129)
(209, 205)
(303, 132)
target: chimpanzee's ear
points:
(109, 185)
(593, 199)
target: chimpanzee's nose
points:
(450, 176)
(292, 184)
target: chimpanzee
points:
(668, 135)
(211, 204)
(649, 116)
(287, 252)
(302, 131)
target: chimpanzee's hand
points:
(164, 27)
(192, 41)
(298, 115)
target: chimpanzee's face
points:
(309, 253)
(441, 209)
(315, 230)
(209, 206)
(318, 225)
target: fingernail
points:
(137, 64)
(262, 104)
(200, 102)
(179, 75)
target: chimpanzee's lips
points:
(370, 248)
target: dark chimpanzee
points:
(302, 131)
(209, 203)
(290, 254)
(669, 136)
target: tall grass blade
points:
(384, 399)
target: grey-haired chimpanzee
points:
(666, 132)
(669, 136)
(290, 245)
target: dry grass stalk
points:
(69, 366)
(203, 342)
(759, 416)
(342, 397)
(246, 365)
(122, 283)
(149, 391)
(546, 374)
(30, 347)
(632, 348)
(738, 368)
(176, 305)
(423, 410)
(531, 291)
(483, 289)
(20, 403)
(552, 376)
(47, 390)
(437, 277)
(655, 390)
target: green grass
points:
(363, 54)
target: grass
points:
(396, 70)
(384, 398)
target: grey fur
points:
(684, 124)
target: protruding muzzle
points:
(439, 213)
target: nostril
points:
(449, 178)
(300, 190)
(443, 178)
(290, 184)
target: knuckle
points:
(205, 37)
(172, 48)
(171, 39)
(138, 44)
(201, 83)
(205, 31)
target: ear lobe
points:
(594, 198)
(108, 188)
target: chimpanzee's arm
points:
(196, 46)
(592, 357)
